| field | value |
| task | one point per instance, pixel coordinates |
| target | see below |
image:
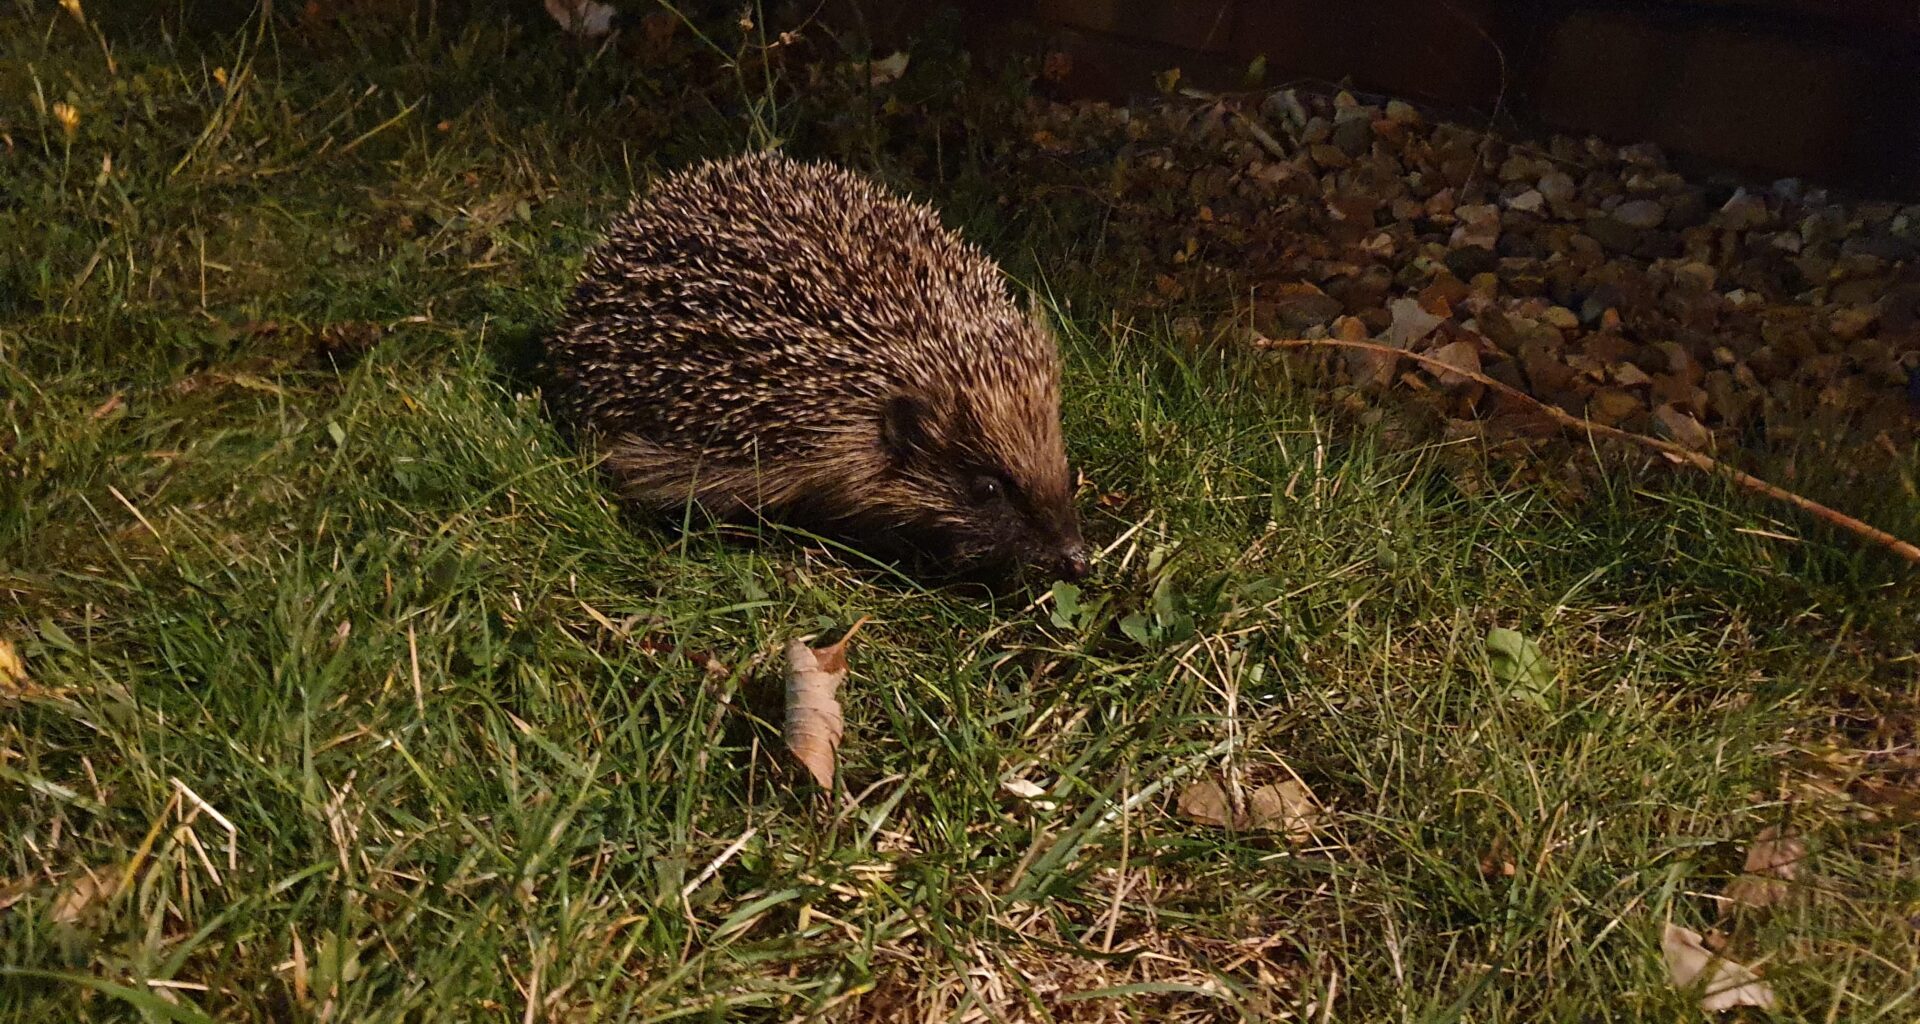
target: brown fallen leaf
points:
(1029, 792)
(1205, 801)
(1410, 323)
(14, 891)
(13, 671)
(1368, 368)
(84, 891)
(1683, 428)
(1438, 298)
(1287, 807)
(1496, 862)
(300, 974)
(1025, 789)
(583, 18)
(813, 724)
(1462, 354)
(887, 69)
(1772, 863)
(1729, 985)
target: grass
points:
(351, 695)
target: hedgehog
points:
(766, 337)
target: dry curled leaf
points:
(1023, 788)
(1368, 368)
(1772, 862)
(583, 18)
(84, 891)
(1031, 793)
(13, 671)
(14, 891)
(814, 724)
(1729, 985)
(1462, 354)
(1205, 802)
(1287, 807)
(1410, 323)
(888, 69)
(1683, 428)
(1496, 862)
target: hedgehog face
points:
(986, 494)
(1009, 523)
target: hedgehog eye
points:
(986, 489)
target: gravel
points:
(1594, 277)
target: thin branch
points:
(1668, 449)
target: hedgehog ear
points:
(904, 425)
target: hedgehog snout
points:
(1073, 566)
(1050, 548)
(1067, 554)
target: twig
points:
(1499, 99)
(719, 862)
(1672, 451)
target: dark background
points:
(1827, 90)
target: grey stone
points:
(1642, 214)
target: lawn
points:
(348, 693)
